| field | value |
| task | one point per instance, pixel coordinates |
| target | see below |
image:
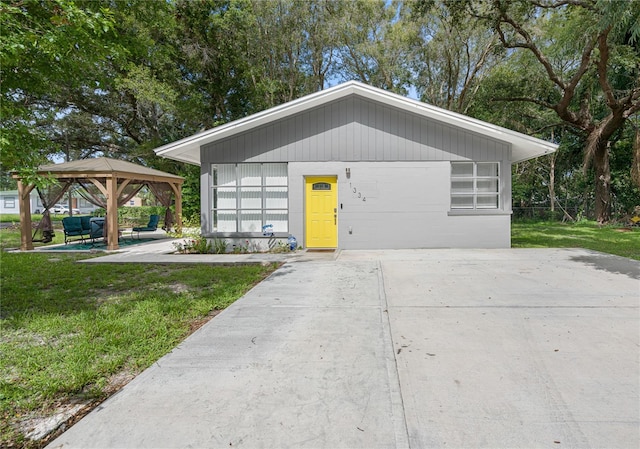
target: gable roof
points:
(523, 147)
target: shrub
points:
(219, 246)
(195, 245)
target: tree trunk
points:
(603, 183)
(552, 183)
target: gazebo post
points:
(177, 191)
(112, 213)
(24, 192)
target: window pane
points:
(475, 185)
(276, 197)
(487, 201)
(250, 174)
(462, 169)
(245, 209)
(321, 186)
(462, 202)
(224, 221)
(279, 219)
(275, 174)
(487, 169)
(224, 198)
(462, 186)
(226, 175)
(250, 221)
(487, 185)
(250, 198)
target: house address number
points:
(356, 192)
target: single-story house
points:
(356, 167)
(9, 203)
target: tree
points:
(590, 65)
(449, 60)
(373, 45)
(277, 50)
(321, 35)
(42, 46)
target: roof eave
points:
(531, 149)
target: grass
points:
(10, 237)
(15, 218)
(68, 328)
(612, 239)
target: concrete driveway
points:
(398, 349)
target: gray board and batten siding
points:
(397, 159)
(354, 129)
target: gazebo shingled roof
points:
(103, 165)
(108, 175)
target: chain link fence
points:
(568, 212)
(545, 213)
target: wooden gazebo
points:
(109, 178)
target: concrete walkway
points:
(398, 349)
(162, 250)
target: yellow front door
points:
(321, 212)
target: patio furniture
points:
(85, 221)
(72, 227)
(97, 228)
(150, 227)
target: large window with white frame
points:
(475, 185)
(247, 197)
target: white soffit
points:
(523, 146)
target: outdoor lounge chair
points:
(72, 227)
(85, 220)
(97, 228)
(150, 227)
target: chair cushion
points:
(72, 225)
(143, 228)
(86, 223)
(151, 226)
(97, 227)
(153, 221)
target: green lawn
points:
(10, 237)
(15, 218)
(622, 241)
(67, 328)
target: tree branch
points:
(557, 4)
(551, 126)
(569, 90)
(602, 69)
(632, 110)
(469, 78)
(528, 100)
(528, 44)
